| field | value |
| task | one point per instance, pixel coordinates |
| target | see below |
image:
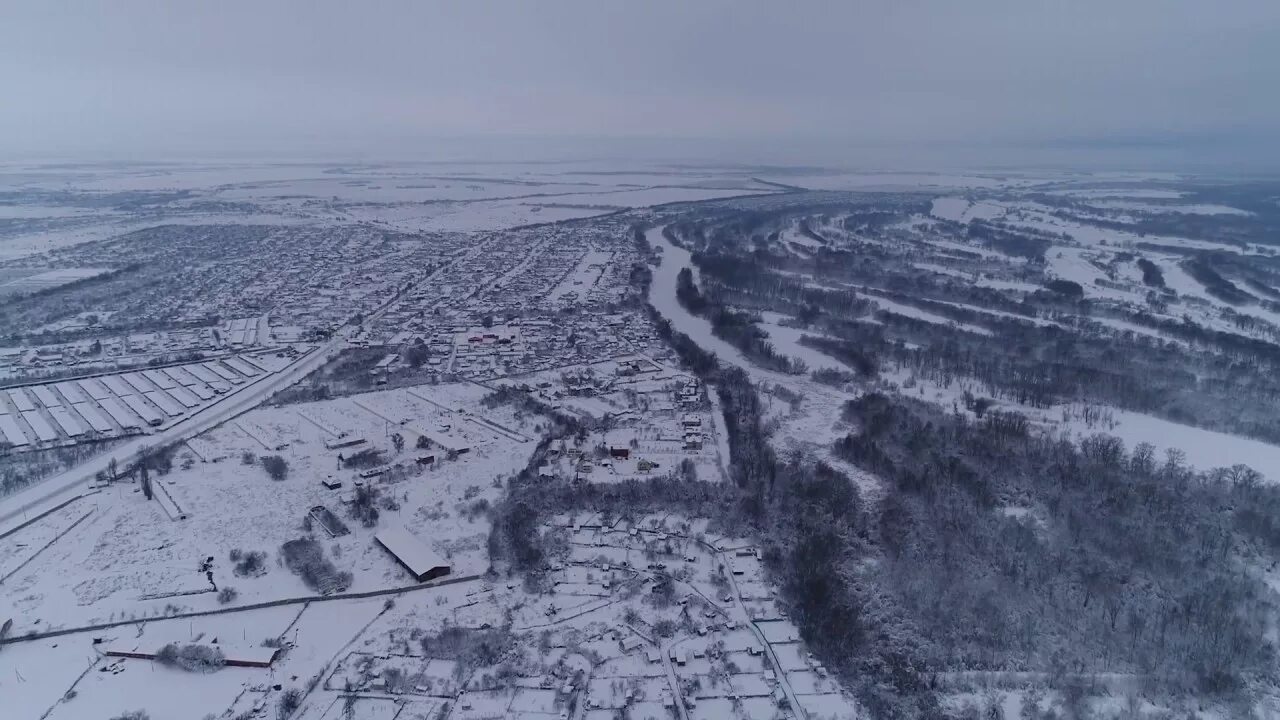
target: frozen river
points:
(662, 293)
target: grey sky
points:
(909, 78)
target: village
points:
(382, 497)
(327, 556)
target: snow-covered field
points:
(1204, 449)
(962, 210)
(133, 558)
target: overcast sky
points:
(849, 80)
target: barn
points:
(421, 561)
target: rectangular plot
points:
(21, 400)
(144, 410)
(181, 376)
(41, 427)
(161, 380)
(243, 368)
(202, 373)
(122, 415)
(202, 391)
(12, 432)
(94, 417)
(71, 392)
(138, 382)
(117, 386)
(94, 389)
(67, 420)
(46, 396)
(222, 372)
(161, 399)
(184, 396)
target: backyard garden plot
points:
(395, 674)
(791, 656)
(633, 665)
(835, 706)
(366, 708)
(619, 690)
(811, 682)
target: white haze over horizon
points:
(876, 83)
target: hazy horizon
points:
(1166, 85)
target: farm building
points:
(421, 561)
(254, 657)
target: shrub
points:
(277, 467)
(367, 458)
(227, 594)
(289, 701)
(192, 658)
(249, 563)
(305, 558)
(364, 506)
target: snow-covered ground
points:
(1204, 449)
(1190, 209)
(962, 210)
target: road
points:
(672, 679)
(51, 491)
(58, 488)
(768, 648)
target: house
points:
(342, 442)
(622, 453)
(331, 483)
(421, 561)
